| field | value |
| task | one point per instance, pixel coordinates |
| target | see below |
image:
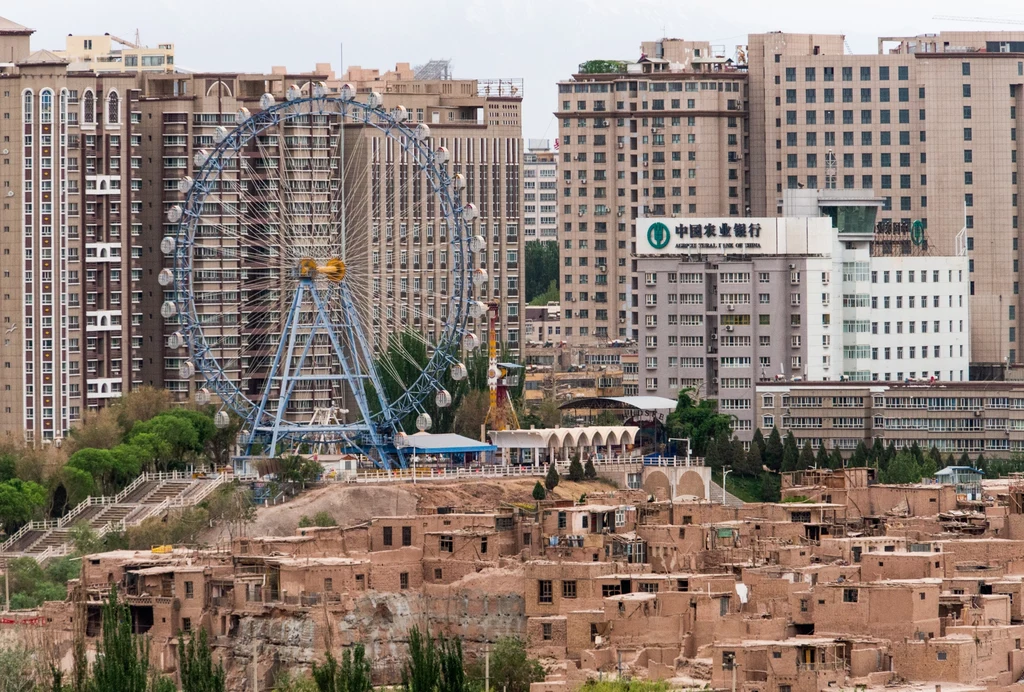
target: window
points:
(328, 584)
(186, 624)
(544, 593)
(387, 535)
(545, 628)
(406, 535)
(447, 544)
(849, 595)
(403, 581)
(190, 591)
(569, 589)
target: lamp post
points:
(725, 474)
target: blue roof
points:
(447, 443)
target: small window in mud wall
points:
(387, 535)
(940, 655)
(328, 584)
(186, 624)
(546, 631)
(360, 581)
(483, 545)
(403, 580)
(723, 605)
(406, 535)
(437, 574)
(447, 544)
(850, 595)
(527, 539)
(190, 591)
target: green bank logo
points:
(658, 235)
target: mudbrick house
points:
(855, 584)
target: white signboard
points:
(733, 236)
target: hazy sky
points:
(540, 41)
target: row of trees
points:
(109, 449)
(122, 663)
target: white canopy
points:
(556, 438)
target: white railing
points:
(440, 474)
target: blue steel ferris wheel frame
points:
(384, 424)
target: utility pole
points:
(734, 675)
(487, 668)
(725, 474)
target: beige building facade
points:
(661, 137)
(91, 165)
(928, 124)
(70, 235)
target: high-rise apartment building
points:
(90, 166)
(69, 222)
(660, 137)
(404, 244)
(540, 196)
(929, 124)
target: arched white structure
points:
(540, 446)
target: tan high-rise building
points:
(664, 136)
(929, 124)
(90, 166)
(396, 233)
(69, 219)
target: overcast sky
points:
(540, 41)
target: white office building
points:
(540, 197)
(722, 304)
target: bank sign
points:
(698, 236)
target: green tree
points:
(422, 672)
(195, 665)
(589, 470)
(177, 440)
(512, 670)
(822, 459)
(790, 453)
(861, 456)
(85, 540)
(936, 456)
(16, 674)
(773, 451)
(606, 417)
(915, 449)
(453, 671)
(836, 460)
(575, 469)
(964, 460)
(551, 480)
(541, 265)
(122, 660)
(353, 675)
(806, 458)
(771, 487)
(902, 469)
(538, 492)
(758, 439)
(548, 412)
(20, 502)
(877, 452)
(752, 463)
(700, 422)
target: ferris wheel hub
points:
(333, 270)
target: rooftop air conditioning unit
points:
(728, 327)
(730, 307)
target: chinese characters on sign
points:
(724, 230)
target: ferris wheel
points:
(288, 301)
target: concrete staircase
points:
(730, 499)
(151, 494)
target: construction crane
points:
(982, 20)
(501, 415)
(130, 44)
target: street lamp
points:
(725, 474)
